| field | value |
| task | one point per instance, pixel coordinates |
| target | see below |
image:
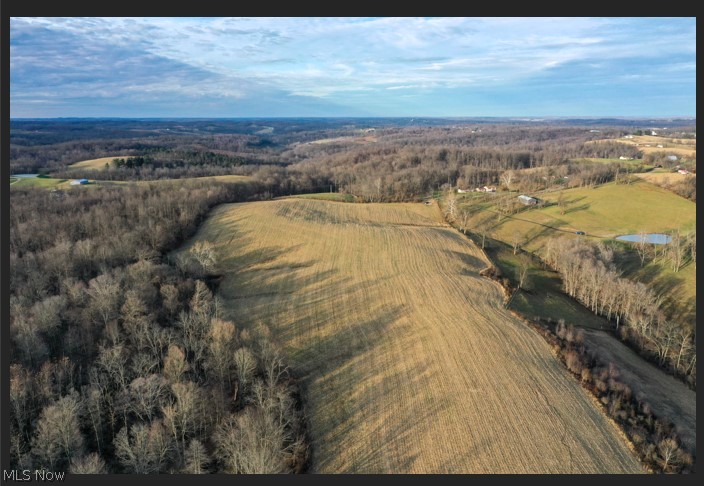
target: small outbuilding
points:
(79, 182)
(527, 200)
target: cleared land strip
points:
(409, 362)
(667, 396)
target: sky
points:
(327, 67)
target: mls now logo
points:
(36, 475)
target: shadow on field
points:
(332, 349)
(472, 265)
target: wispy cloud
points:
(346, 64)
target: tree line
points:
(655, 439)
(590, 276)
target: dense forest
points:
(121, 359)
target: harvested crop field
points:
(407, 359)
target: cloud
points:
(345, 63)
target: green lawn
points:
(606, 211)
(45, 182)
(542, 296)
(602, 213)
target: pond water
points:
(24, 176)
(656, 238)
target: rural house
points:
(527, 200)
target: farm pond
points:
(655, 238)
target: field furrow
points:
(408, 361)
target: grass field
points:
(96, 163)
(51, 183)
(327, 196)
(542, 295)
(45, 182)
(408, 361)
(649, 144)
(605, 212)
(662, 177)
(628, 163)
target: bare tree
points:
(669, 452)
(562, 203)
(251, 443)
(506, 178)
(642, 247)
(89, 464)
(104, 292)
(134, 318)
(676, 250)
(169, 294)
(196, 458)
(204, 255)
(58, 435)
(175, 364)
(516, 240)
(147, 449)
(146, 395)
(523, 268)
(245, 366)
(186, 416)
(464, 218)
(221, 340)
(451, 208)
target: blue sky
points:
(266, 67)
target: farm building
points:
(625, 158)
(485, 189)
(672, 157)
(462, 191)
(527, 200)
(79, 182)
(683, 171)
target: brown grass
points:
(662, 178)
(409, 362)
(667, 396)
(96, 163)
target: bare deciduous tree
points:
(523, 268)
(146, 449)
(245, 366)
(89, 464)
(196, 458)
(58, 436)
(175, 364)
(204, 255)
